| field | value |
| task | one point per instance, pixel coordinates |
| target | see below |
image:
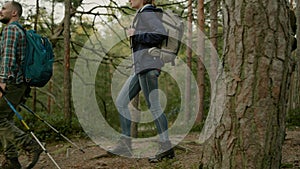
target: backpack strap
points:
(19, 26)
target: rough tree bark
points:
(297, 11)
(294, 93)
(200, 60)
(67, 74)
(245, 127)
(213, 36)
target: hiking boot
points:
(11, 163)
(122, 148)
(165, 151)
(33, 151)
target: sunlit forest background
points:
(90, 19)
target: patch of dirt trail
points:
(187, 155)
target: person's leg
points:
(149, 85)
(10, 150)
(129, 90)
(11, 135)
(6, 119)
(10, 155)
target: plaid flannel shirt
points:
(12, 53)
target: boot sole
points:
(157, 160)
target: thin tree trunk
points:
(189, 61)
(297, 11)
(295, 91)
(251, 91)
(67, 77)
(200, 60)
(50, 89)
(35, 28)
(214, 4)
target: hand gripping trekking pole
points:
(36, 115)
(27, 128)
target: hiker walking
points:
(12, 52)
(147, 31)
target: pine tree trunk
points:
(297, 93)
(50, 89)
(213, 10)
(34, 96)
(200, 60)
(67, 76)
(189, 62)
(246, 124)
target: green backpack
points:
(38, 62)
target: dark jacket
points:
(149, 32)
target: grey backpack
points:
(170, 46)
(174, 27)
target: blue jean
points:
(148, 83)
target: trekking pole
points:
(27, 128)
(36, 115)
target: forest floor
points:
(187, 155)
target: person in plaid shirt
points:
(12, 52)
